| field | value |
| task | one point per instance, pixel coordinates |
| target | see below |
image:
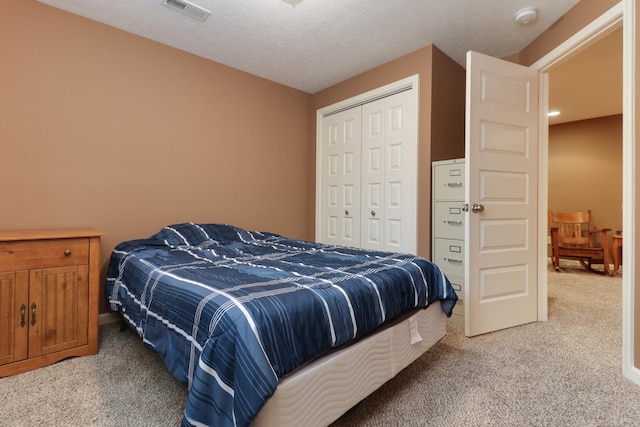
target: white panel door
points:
(341, 164)
(389, 174)
(374, 123)
(501, 193)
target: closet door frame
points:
(409, 83)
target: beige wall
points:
(574, 20)
(104, 129)
(448, 96)
(100, 128)
(585, 169)
(441, 83)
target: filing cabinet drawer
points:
(457, 283)
(448, 220)
(448, 224)
(449, 181)
(449, 256)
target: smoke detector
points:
(188, 8)
(526, 16)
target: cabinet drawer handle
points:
(453, 184)
(33, 313)
(67, 252)
(448, 221)
(23, 309)
(458, 261)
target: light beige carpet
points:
(124, 385)
(564, 372)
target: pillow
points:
(191, 234)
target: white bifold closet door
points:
(370, 166)
(342, 142)
(389, 171)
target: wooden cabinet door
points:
(14, 290)
(58, 309)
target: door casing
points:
(623, 12)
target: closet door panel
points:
(390, 129)
(401, 173)
(341, 165)
(373, 184)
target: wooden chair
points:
(573, 238)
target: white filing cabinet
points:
(448, 225)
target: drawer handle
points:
(453, 184)
(458, 261)
(448, 221)
(23, 309)
(67, 252)
(33, 313)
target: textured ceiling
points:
(313, 44)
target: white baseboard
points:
(107, 318)
(632, 373)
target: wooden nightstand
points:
(49, 296)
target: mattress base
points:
(322, 391)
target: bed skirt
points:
(320, 392)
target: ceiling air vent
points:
(188, 8)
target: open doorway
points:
(585, 137)
(609, 21)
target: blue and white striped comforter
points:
(232, 311)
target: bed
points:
(267, 330)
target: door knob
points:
(475, 208)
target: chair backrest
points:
(573, 227)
